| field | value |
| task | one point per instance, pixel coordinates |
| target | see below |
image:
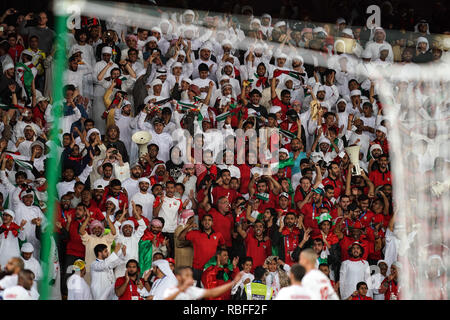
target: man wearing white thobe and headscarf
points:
(166, 279)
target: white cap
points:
(384, 47)
(324, 140)
(282, 56)
(27, 248)
(152, 38)
(374, 147)
(156, 82)
(28, 52)
(91, 131)
(340, 20)
(382, 129)
(366, 54)
(143, 179)
(8, 66)
(283, 150)
(226, 42)
(348, 32)
(177, 64)
(10, 212)
(355, 93)
(279, 24)
(107, 49)
(186, 79)
(156, 29)
(321, 88)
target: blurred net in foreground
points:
(416, 101)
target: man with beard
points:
(162, 139)
(86, 199)
(289, 237)
(168, 207)
(127, 287)
(107, 172)
(381, 138)
(356, 233)
(375, 152)
(8, 85)
(382, 175)
(144, 198)
(353, 270)
(131, 185)
(23, 290)
(266, 195)
(96, 237)
(130, 237)
(335, 179)
(258, 246)
(10, 273)
(223, 219)
(25, 141)
(69, 179)
(340, 210)
(297, 153)
(114, 190)
(74, 75)
(27, 120)
(311, 210)
(205, 242)
(123, 118)
(223, 188)
(112, 141)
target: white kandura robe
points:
(132, 244)
(77, 288)
(33, 265)
(351, 273)
(102, 277)
(9, 247)
(24, 212)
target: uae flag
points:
(292, 74)
(146, 249)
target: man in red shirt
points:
(334, 178)
(262, 191)
(311, 211)
(224, 188)
(258, 247)
(75, 248)
(86, 199)
(205, 242)
(389, 286)
(360, 293)
(223, 219)
(114, 189)
(366, 214)
(381, 176)
(126, 287)
(219, 271)
(356, 233)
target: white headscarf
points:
(168, 281)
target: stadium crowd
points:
(171, 217)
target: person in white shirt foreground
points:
(77, 287)
(102, 272)
(23, 289)
(186, 289)
(314, 279)
(296, 291)
(11, 272)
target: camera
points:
(115, 152)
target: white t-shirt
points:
(146, 201)
(169, 212)
(18, 293)
(295, 292)
(191, 293)
(320, 285)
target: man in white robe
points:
(353, 270)
(102, 272)
(30, 262)
(77, 287)
(9, 241)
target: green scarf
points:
(213, 262)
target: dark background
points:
(404, 15)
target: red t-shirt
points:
(258, 250)
(219, 191)
(131, 292)
(392, 287)
(337, 184)
(271, 203)
(123, 200)
(245, 177)
(346, 242)
(75, 246)
(284, 108)
(205, 246)
(380, 178)
(310, 211)
(223, 224)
